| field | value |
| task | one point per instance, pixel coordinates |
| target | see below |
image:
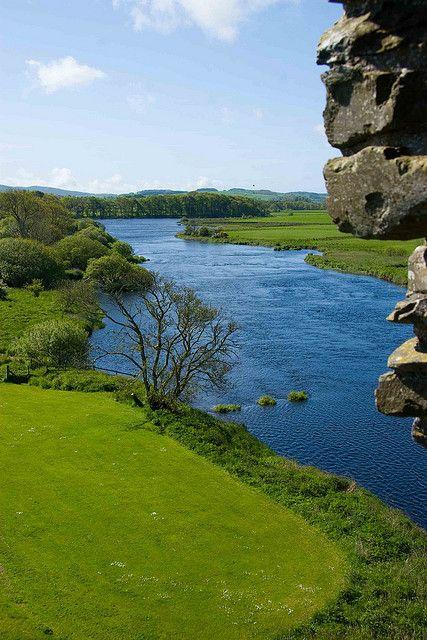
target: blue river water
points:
(301, 328)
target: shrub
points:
(113, 273)
(123, 249)
(23, 260)
(74, 274)
(226, 408)
(74, 252)
(266, 401)
(54, 343)
(204, 232)
(35, 287)
(96, 233)
(297, 396)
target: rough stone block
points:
(378, 193)
(409, 357)
(402, 396)
(389, 106)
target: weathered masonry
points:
(376, 115)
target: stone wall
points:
(376, 115)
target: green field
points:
(315, 230)
(110, 530)
(22, 310)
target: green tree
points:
(34, 215)
(175, 343)
(23, 260)
(54, 344)
(75, 251)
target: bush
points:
(266, 401)
(226, 408)
(74, 274)
(74, 252)
(297, 396)
(115, 274)
(23, 260)
(35, 287)
(54, 343)
(96, 233)
(204, 232)
(123, 249)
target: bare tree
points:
(175, 343)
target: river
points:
(301, 328)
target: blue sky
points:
(120, 95)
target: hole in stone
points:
(384, 86)
(374, 202)
(342, 92)
(390, 153)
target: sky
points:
(123, 95)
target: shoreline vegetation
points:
(310, 230)
(382, 549)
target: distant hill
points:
(258, 194)
(157, 192)
(56, 192)
(266, 194)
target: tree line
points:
(189, 205)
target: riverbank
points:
(380, 551)
(314, 230)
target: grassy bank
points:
(112, 530)
(22, 310)
(315, 230)
(102, 464)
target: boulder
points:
(378, 193)
(402, 396)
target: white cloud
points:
(319, 128)
(63, 178)
(220, 18)
(113, 184)
(63, 73)
(202, 182)
(258, 114)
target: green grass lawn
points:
(111, 531)
(22, 310)
(315, 230)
